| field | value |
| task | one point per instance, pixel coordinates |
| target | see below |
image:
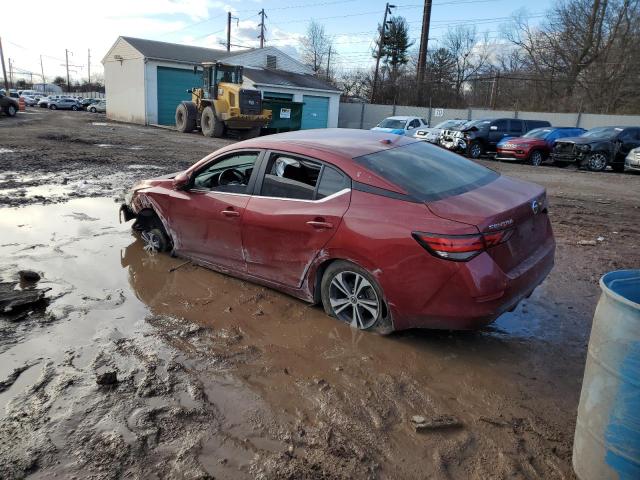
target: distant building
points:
(47, 88)
(145, 80)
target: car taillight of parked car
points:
(461, 248)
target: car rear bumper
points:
(479, 292)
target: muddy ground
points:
(219, 378)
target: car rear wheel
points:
(93, 110)
(53, 107)
(351, 294)
(74, 108)
(475, 150)
(597, 162)
(536, 158)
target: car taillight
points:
(460, 248)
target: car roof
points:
(400, 117)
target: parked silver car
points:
(632, 161)
(65, 104)
(432, 134)
(29, 101)
(101, 106)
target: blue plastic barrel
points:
(607, 440)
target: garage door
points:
(315, 112)
(173, 84)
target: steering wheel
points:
(231, 176)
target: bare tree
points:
(471, 56)
(315, 47)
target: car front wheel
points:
(597, 162)
(475, 150)
(92, 109)
(53, 107)
(351, 294)
(11, 111)
(74, 108)
(536, 158)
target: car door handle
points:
(319, 224)
(229, 212)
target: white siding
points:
(258, 58)
(124, 83)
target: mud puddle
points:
(221, 378)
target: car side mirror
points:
(410, 127)
(493, 127)
(180, 181)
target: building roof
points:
(175, 51)
(285, 79)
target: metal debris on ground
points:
(421, 423)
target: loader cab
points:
(214, 74)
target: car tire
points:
(597, 161)
(210, 125)
(351, 294)
(74, 108)
(53, 107)
(93, 110)
(186, 117)
(475, 150)
(536, 158)
(11, 110)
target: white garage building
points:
(145, 80)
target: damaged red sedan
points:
(386, 232)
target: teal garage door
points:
(315, 112)
(173, 84)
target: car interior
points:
(231, 174)
(289, 177)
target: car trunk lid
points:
(502, 204)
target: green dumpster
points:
(286, 115)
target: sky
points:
(95, 25)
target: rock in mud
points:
(421, 423)
(29, 276)
(107, 378)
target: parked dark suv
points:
(597, 148)
(479, 136)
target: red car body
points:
(520, 148)
(374, 223)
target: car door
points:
(497, 130)
(205, 219)
(627, 141)
(294, 213)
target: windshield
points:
(392, 123)
(427, 172)
(538, 133)
(603, 132)
(475, 123)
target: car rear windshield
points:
(427, 172)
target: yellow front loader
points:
(221, 104)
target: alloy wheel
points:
(476, 151)
(354, 300)
(536, 158)
(11, 110)
(597, 162)
(152, 241)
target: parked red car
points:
(535, 146)
(387, 232)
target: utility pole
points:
(387, 10)
(494, 90)
(424, 41)
(228, 31)
(10, 74)
(66, 56)
(329, 62)
(89, 66)
(4, 71)
(42, 70)
(262, 27)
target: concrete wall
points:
(124, 83)
(357, 115)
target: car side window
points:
(288, 176)
(628, 135)
(515, 126)
(414, 123)
(501, 125)
(228, 174)
(331, 181)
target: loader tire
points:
(211, 126)
(186, 116)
